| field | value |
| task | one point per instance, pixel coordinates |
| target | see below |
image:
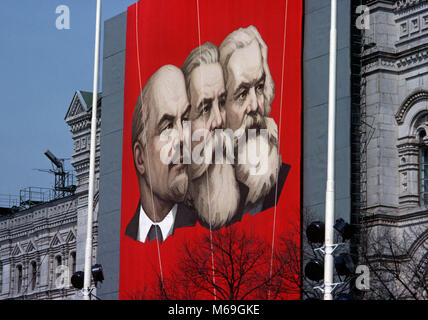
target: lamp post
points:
(88, 249)
(329, 201)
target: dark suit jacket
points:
(185, 217)
(267, 202)
(271, 199)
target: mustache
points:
(254, 120)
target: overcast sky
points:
(40, 69)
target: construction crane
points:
(64, 185)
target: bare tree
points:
(231, 264)
(398, 262)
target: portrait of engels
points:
(227, 88)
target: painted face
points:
(245, 85)
(207, 98)
(169, 111)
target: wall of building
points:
(38, 235)
(111, 157)
(315, 108)
(78, 118)
(395, 67)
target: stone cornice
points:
(43, 214)
(83, 123)
(408, 148)
(82, 166)
(30, 229)
(384, 5)
(416, 218)
(395, 62)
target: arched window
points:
(18, 278)
(1, 278)
(412, 119)
(33, 275)
(423, 169)
(73, 262)
(58, 263)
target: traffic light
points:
(314, 270)
(97, 273)
(315, 232)
(344, 229)
(344, 264)
(77, 280)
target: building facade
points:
(395, 103)
(42, 244)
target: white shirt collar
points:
(166, 225)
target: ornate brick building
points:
(395, 103)
(42, 243)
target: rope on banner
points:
(148, 159)
(279, 137)
(208, 186)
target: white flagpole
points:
(88, 249)
(329, 201)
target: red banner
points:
(214, 231)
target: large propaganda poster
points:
(211, 173)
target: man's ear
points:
(139, 158)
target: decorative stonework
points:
(408, 171)
(399, 63)
(401, 5)
(394, 75)
(35, 236)
(414, 59)
(408, 103)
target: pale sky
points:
(40, 69)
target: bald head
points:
(161, 106)
(167, 77)
(168, 90)
(164, 86)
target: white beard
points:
(260, 173)
(215, 195)
(213, 190)
(211, 143)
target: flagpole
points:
(88, 249)
(330, 192)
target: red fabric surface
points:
(168, 31)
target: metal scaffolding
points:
(362, 128)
